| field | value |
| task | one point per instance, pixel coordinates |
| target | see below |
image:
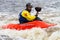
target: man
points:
(25, 16)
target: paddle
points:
(38, 9)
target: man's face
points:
(29, 8)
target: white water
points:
(50, 13)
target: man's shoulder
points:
(25, 11)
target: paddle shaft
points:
(37, 14)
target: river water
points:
(50, 12)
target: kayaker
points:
(25, 15)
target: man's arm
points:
(37, 18)
(27, 15)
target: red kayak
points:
(28, 25)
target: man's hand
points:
(36, 14)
